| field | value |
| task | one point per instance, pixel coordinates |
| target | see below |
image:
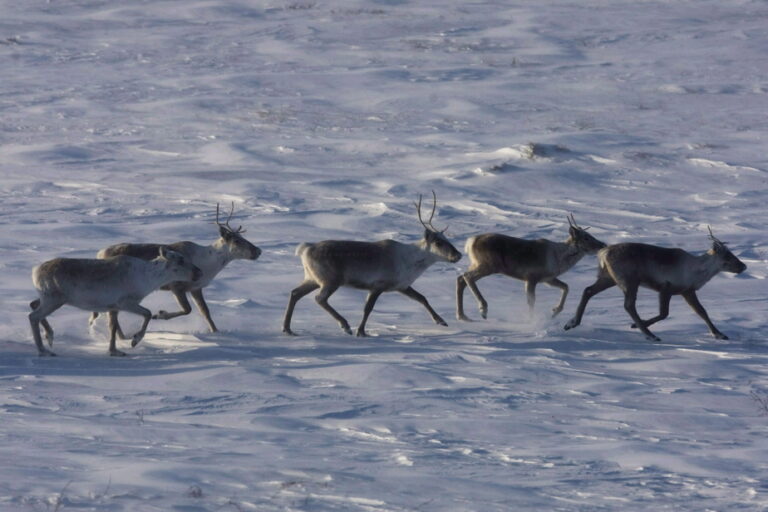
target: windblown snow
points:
(129, 121)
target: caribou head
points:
(582, 240)
(435, 240)
(234, 239)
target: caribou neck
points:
(157, 275)
(426, 255)
(219, 253)
(707, 266)
(567, 255)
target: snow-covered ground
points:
(130, 120)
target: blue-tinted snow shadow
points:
(76, 357)
(257, 352)
(585, 339)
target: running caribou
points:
(378, 267)
(667, 271)
(211, 259)
(532, 261)
(111, 285)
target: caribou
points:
(666, 271)
(377, 267)
(110, 285)
(211, 259)
(532, 261)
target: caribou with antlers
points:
(532, 261)
(667, 271)
(211, 259)
(378, 267)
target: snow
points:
(129, 121)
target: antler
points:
(713, 237)
(573, 224)
(226, 224)
(572, 221)
(428, 224)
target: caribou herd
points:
(122, 275)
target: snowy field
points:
(129, 121)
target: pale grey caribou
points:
(110, 285)
(211, 259)
(383, 266)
